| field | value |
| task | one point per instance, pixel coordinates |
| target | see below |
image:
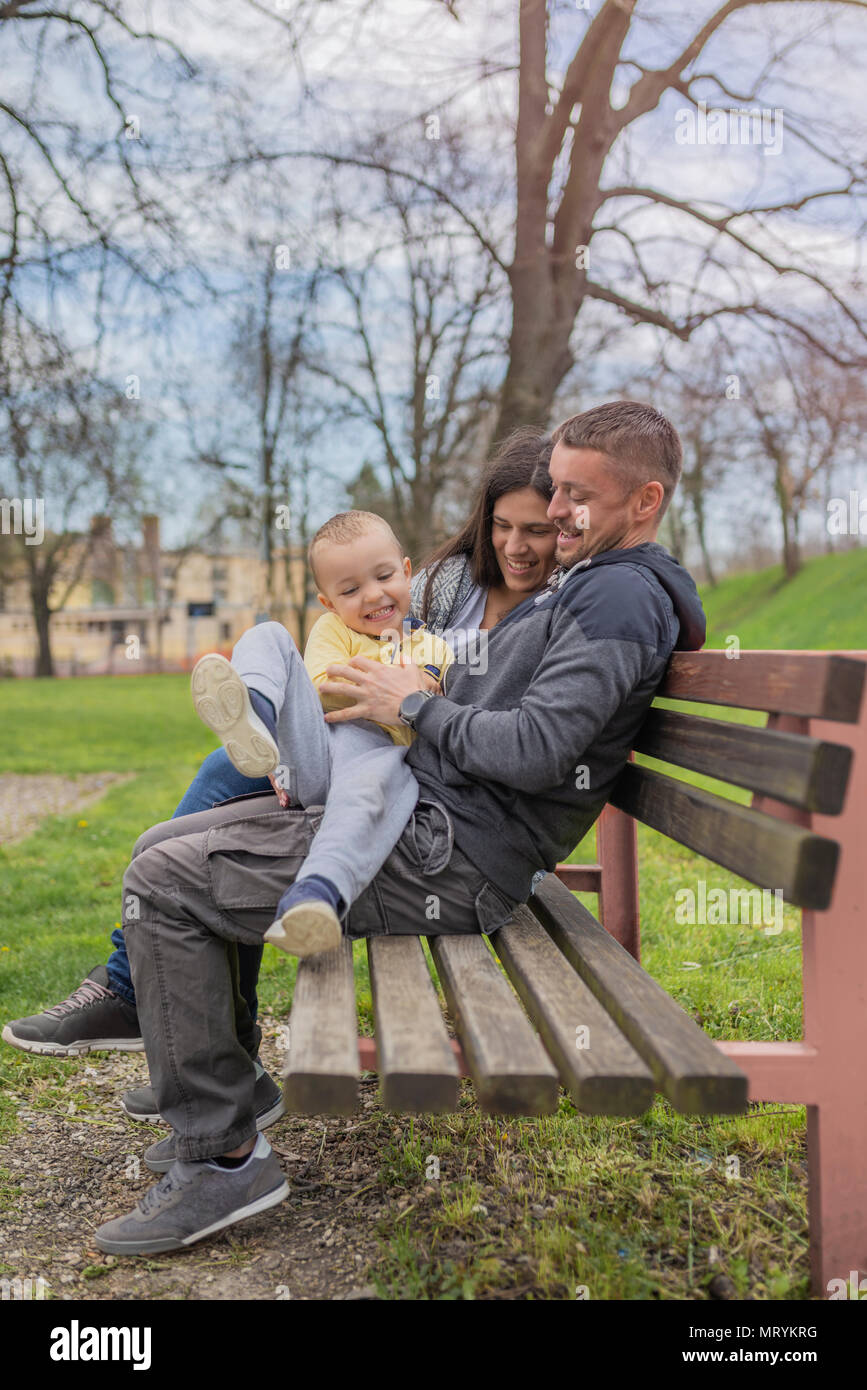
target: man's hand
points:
(282, 794)
(375, 688)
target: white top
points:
(471, 612)
(463, 635)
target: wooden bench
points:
(583, 1013)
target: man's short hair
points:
(640, 443)
(346, 527)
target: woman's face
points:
(523, 539)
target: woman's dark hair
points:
(520, 461)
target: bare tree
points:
(59, 227)
(564, 141)
(68, 449)
(592, 224)
(808, 416)
(410, 345)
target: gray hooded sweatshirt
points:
(525, 753)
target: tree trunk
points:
(791, 547)
(539, 355)
(784, 491)
(701, 531)
(548, 276)
(42, 620)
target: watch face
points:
(411, 705)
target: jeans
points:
(216, 780)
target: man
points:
(513, 766)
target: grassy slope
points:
(629, 1209)
(823, 608)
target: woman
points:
(503, 555)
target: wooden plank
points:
(582, 878)
(511, 1071)
(597, 1064)
(816, 685)
(416, 1064)
(768, 852)
(321, 1071)
(687, 1066)
(803, 772)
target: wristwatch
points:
(412, 705)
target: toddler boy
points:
(363, 579)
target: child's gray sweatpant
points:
(354, 769)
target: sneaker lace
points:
(156, 1196)
(88, 992)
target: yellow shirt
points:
(332, 643)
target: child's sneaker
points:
(307, 920)
(222, 701)
(306, 929)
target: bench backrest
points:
(805, 773)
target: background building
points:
(139, 608)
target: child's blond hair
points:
(346, 527)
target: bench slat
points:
(322, 1072)
(694, 1075)
(814, 685)
(511, 1071)
(416, 1064)
(767, 851)
(804, 772)
(605, 1077)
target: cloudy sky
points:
(290, 77)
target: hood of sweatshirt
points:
(677, 582)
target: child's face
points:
(365, 582)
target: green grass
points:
(822, 608)
(630, 1209)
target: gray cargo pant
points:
(199, 882)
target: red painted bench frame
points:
(825, 1070)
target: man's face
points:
(365, 582)
(591, 507)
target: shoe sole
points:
(162, 1165)
(222, 701)
(152, 1117)
(306, 930)
(73, 1049)
(153, 1247)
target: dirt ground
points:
(75, 1170)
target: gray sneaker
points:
(141, 1104)
(194, 1200)
(161, 1155)
(92, 1019)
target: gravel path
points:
(78, 1163)
(26, 797)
